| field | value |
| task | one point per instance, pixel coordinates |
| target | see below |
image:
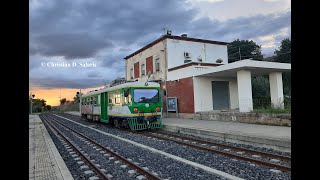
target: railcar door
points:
(104, 107)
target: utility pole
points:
(239, 53)
(80, 102)
(60, 100)
(30, 105)
(31, 97)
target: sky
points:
(81, 44)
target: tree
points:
(38, 105)
(261, 91)
(270, 59)
(283, 55)
(63, 101)
(48, 107)
(260, 86)
(248, 49)
(76, 98)
(118, 81)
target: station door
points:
(220, 95)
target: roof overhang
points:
(230, 70)
(257, 68)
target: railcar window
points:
(127, 100)
(117, 98)
(94, 100)
(111, 100)
(146, 95)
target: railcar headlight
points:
(135, 109)
(158, 109)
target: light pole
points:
(79, 95)
(31, 97)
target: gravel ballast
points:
(234, 167)
(164, 167)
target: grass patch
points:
(273, 110)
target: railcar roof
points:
(125, 85)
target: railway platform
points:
(275, 137)
(45, 162)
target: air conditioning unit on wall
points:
(219, 60)
(187, 55)
(199, 59)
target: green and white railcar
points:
(134, 105)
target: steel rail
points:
(100, 173)
(264, 163)
(147, 174)
(286, 158)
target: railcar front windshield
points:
(146, 95)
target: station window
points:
(157, 64)
(131, 73)
(143, 70)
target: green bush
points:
(261, 102)
(273, 110)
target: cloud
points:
(44, 73)
(50, 83)
(231, 9)
(70, 46)
(94, 74)
(104, 32)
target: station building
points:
(197, 73)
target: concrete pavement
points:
(275, 137)
(45, 161)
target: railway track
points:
(225, 150)
(94, 144)
(78, 151)
(265, 159)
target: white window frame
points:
(143, 69)
(157, 61)
(131, 73)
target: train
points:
(131, 105)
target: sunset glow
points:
(52, 96)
